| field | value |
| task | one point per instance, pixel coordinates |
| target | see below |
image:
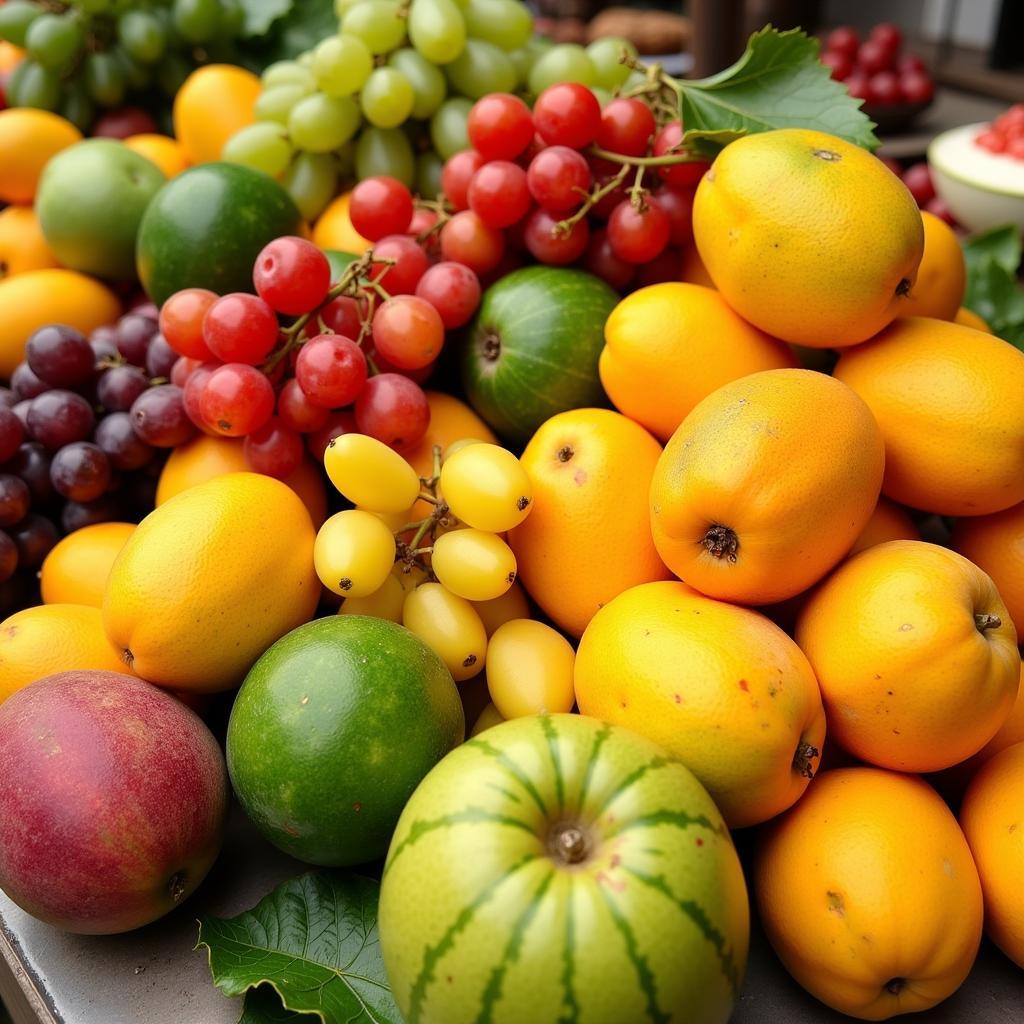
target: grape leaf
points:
(777, 83)
(263, 1006)
(993, 291)
(259, 15)
(303, 25)
(314, 939)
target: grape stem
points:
(411, 554)
(563, 227)
(665, 160)
(637, 192)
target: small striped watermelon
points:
(533, 348)
(557, 870)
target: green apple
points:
(90, 203)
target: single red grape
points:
(408, 332)
(57, 418)
(342, 315)
(394, 410)
(240, 328)
(80, 471)
(15, 499)
(35, 537)
(456, 175)
(119, 442)
(603, 263)
(420, 375)
(273, 449)
(567, 114)
(548, 244)
(182, 370)
(181, 321)
(25, 384)
(637, 236)
(296, 411)
(627, 126)
(453, 290)
(498, 193)
(331, 370)
(192, 395)
(12, 433)
(60, 355)
(119, 386)
(410, 263)
(467, 240)
(499, 126)
(678, 204)
(559, 179)
(380, 206)
(134, 333)
(918, 179)
(236, 399)
(291, 275)
(843, 39)
(669, 140)
(342, 421)
(159, 417)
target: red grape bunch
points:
(81, 429)
(304, 359)
(561, 185)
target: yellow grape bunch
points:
(446, 574)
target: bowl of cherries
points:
(895, 86)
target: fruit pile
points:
(86, 55)
(874, 70)
(664, 462)
(1005, 134)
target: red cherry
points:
(840, 64)
(873, 57)
(917, 87)
(910, 62)
(843, 40)
(857, 85)
(887, 35)
(885, 88)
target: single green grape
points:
(287, 72)
(54, 41)
(480, 69)
(437, 29)
(341, 7)
(263, 146)
(31, 85)
(311, 181)
(196, 20)
(142, 35)
(378, 23)
(565, 62)
(505, 23)
(385, 151)
(448, 126)
(526, 56)
(428, 174)
(276, 104)
(320, 123)
(342, 64)
(387, 98)
(104, 79)
(428, 82)
(605, 54)
(16, 17)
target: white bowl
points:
(982, 190)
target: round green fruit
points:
(557, 869)
(90, 203)
(333, 729)
(205, 228)
(533, 348)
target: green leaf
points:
(261, 14)
(302, 27)
(314, 939)
(777, 83)
(263, 1006)
(1000, 244)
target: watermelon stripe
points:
(492, 991)
(507, 793)
(599, 741)
(677, 819)
(643, 970)
(434, 954)
(634, 777)
(511, 767)
(471, 815)
(551, 735)
(571, 1007)
(696, 913)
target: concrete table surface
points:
(154, 976)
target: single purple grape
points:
(15, 499)
(118, 387)
(57, 418)
(32, 464)
(134, 333)
(60, 355)
(80, 471)
(8, 557)
(160, 358)
(12, 432)
(159, 417)
(125, 449)
(25, 384)
(35, 537)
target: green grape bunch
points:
(87, 55)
